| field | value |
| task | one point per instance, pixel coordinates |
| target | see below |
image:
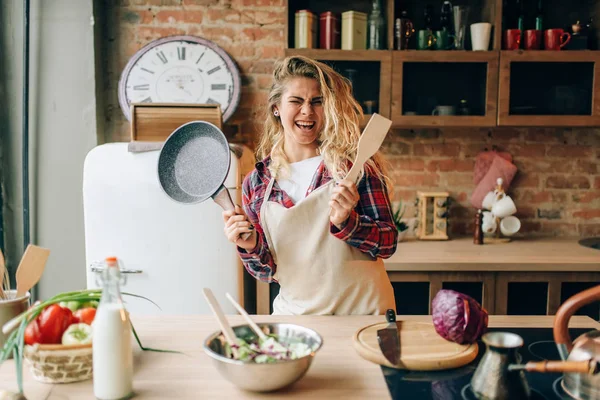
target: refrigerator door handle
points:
(99, 267)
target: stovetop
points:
(455, 384)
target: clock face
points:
(181, 69)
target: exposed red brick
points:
(525, 180)
(568, 182)
(545, 135)
(527, 150)
(454, 165)
(530, 226)
(218, 34)
(461, 197)
(589, 229)
(406, 164)
(559, 228)
(586, 167)
(147, 34)
(534, 197)
(570, 151)
(179, 15)
(459, 180)
(587, 214)
(228, 15)
(526, 212)
(506, 134)
(597, 183)
(416, 180)
(437, 149)
(200, 2)
(586, 197)
(271, 52)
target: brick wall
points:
(557, 188)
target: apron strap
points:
(267, 194)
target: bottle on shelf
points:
(539, 16)
(463, 108)
(111, 343)
(446, 17)
(376, 27)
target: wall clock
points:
(181, 69)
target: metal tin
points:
(354, 30)
(329, 30)
(305, 33)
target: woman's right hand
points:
(237, 223)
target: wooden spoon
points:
(225, 327)
(31, 268)
(369, 142)
(252, 324)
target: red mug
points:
(512, 39)
(533, 39)
(554, 39)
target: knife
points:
(389, 338)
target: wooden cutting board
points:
(421, 348)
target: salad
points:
(269, 350)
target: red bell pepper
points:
(50, 325)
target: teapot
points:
(585, 348)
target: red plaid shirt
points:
(370, 227)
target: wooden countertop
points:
(533, 254)
(337, 371)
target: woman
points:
(322, 238)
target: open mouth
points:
(305, 125)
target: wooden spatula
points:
(369, 142)
(31, 268)
(2, 273)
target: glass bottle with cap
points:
(111, 339)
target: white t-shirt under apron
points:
(301, 175)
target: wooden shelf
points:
(508, 58)
(342, 55)
(444, 56)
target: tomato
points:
(32, 333)
(53, 322)
(86, 315)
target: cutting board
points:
(421, 348)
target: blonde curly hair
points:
(338, 140)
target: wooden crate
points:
(154, 122)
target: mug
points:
(554, 39)
(533, 39)
(426, 40)
(504, 207)
(444, 110)
(489, 200)
(488, 222)
(480, 36)
(510, 225)
(512, 39)
(443, 40)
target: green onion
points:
(15, 341)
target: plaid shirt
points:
(369, 228)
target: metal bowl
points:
(266, 377)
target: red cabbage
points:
(458, 317)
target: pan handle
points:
(223, 198)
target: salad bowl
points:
(281, 360)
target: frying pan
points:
(193, 165)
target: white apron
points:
(320, 274)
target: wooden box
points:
(154, 122)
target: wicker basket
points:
(58, 363)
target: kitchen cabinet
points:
(502, 88)
(553, 88)
(526, 276)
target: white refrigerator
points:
(168, 251)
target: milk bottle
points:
(111, 343)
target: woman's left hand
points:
(343, 200)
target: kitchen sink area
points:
(593, 242)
